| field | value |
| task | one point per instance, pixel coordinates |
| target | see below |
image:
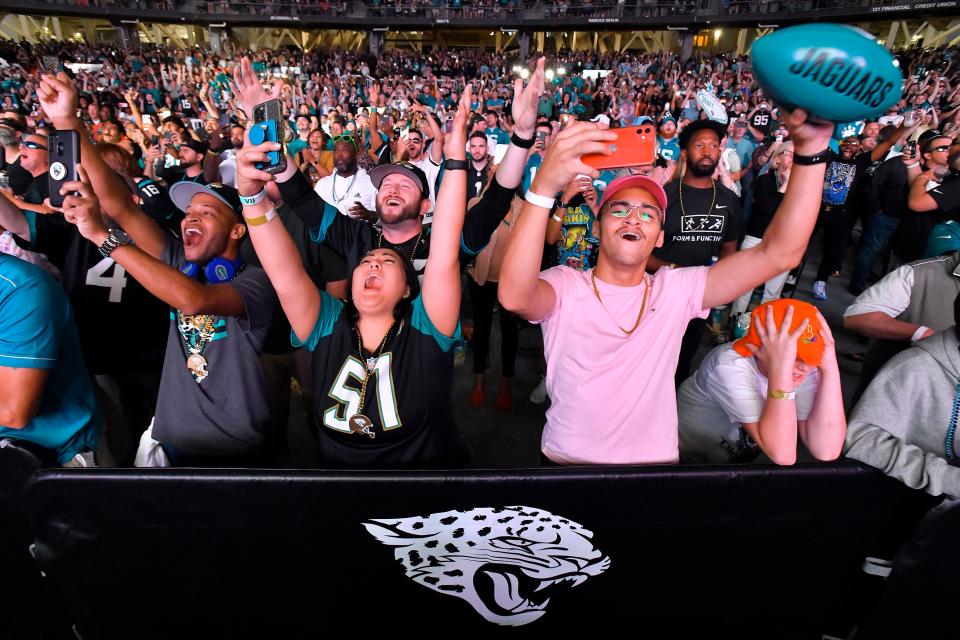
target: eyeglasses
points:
(30, 144)
(645, 212)
(941, 148)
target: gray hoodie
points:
(901, 421)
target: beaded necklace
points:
(952, 429)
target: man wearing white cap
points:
(612, 334)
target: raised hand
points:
(561, 162)
(455, 142)
(809, 136)
(247, 88)
(58, 98)
(526, 101)
(81, 208)
(250, 179)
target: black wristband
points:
(816, 158)
(455, 165)
(520, 142)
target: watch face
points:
(121, 236)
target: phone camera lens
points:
(60, 148)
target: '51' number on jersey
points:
(115, 283)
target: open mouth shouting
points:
(193, 235)
(373, 281)
(630, 235)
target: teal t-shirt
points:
(37, 331)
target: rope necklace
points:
(415, 244)
(333, 187)
(358, 422)
(713, 183)
(643, 305)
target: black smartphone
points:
(269, 126)
(64, 155)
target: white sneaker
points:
(820, 290)
(539, 395)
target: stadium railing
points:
(528, 15)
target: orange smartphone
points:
(634, 145)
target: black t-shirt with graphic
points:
(694, 233)
(843, 179)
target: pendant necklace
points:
(416, 244)
(643, 305)
(683, 212)
(358, 422)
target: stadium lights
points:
(549, 74)
(717, 34)
(562, 71)
(524, 73)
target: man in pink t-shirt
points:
(612, 334)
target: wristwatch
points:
(777, 394)
(455, 165)
(116, 238)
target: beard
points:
(409, 211)
(702, 170)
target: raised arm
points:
(521, 289)
(786, 238)
(82, 208)
(279, 256)
(441, 279)
(58, 97)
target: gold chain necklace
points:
(415, 244)
(643, 305)
(713, 183)
(360, 423)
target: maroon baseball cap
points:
(644, 182)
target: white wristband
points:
(538, 200)
(912, 165)
(256, 198)
(919, 333)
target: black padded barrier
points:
(920, 598)
(732, 551)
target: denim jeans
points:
(880, 228)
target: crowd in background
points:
(161, 117)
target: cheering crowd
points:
(194, 270)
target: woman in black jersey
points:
(382, 360)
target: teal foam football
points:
(834, 71)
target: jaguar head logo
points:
(506, 562)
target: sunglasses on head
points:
(346, 138)
(30, 144)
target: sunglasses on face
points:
(29, 144)
(645, 212)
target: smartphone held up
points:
(633, 146)
(64, 156)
